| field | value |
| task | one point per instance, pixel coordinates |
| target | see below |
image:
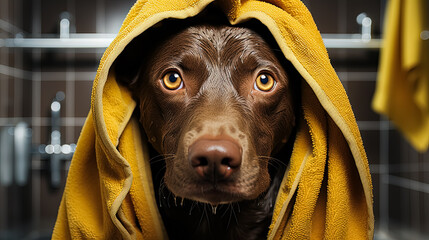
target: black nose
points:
(215, 160)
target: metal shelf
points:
(350, 41)
(103, 42)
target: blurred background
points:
(49, 54)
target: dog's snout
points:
(215, 160)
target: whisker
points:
(230, 215)
(192, 207)
(160, 171)
(201, 218)
(234, 214)
(226, 210)
(238, 206)
(207, 215)
(161, 192)
(168, 199)
(272, 161)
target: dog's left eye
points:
(172, 81)
(264, 82)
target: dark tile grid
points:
(14, 83)
(71, 71)
(29, 80)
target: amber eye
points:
(172, 81)
(264, 82)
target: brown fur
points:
(218, 65)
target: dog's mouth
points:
(214, 194)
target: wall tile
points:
(394, 147)
(27, 96)
(51, 10)
(424, 164)
(325, 14)
(85, 22)
(371, 141)
(399, 206)
(115, 12)
(424, 216)
(11, 95)
(83, 98)
(360, 95)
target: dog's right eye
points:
(265, 82)
(172, 81)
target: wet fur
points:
(267, 122)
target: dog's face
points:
(216, 102)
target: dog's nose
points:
(215, 160)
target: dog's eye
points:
(264, 82)
(172, 81)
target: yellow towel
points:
(402, 91)
(326, 191)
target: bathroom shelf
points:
(95, 41)
(350, 41)
(73, 41)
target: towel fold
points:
(402, 90)
(326, 191)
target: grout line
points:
(342, 14)
(4, 86)
(70, 79)
(408, 184)
(398, 168)
(15, 72)
(36, 30)
(4, 83)
(47, 76)
(43, 121)
(10, 28)
(357, 76)
(79, 76)
(100, 16)
(4, 203)
(384, 177)
(374, 125)
(18, 86)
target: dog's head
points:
(216, 102)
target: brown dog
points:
(216, 104)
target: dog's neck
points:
(187, 219)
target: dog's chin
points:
(215, 197)
(222, 193)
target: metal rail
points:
(69, 40)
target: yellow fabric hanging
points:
(402, 90)
(326, 193)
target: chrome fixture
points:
(15, 154)
(22, 143)
(366, 23)
(94, 41)
(16, 150)
(360, 40)
(6, 156)
(55, 151)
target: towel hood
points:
(326, 191)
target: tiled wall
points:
(30, 78)
(29, 81)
